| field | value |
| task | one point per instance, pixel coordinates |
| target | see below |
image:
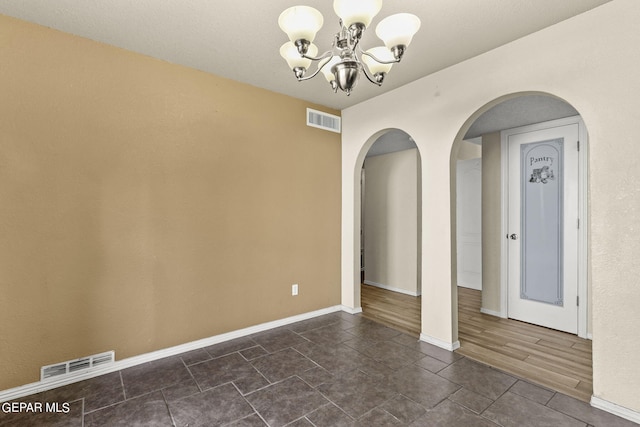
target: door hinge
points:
(578, 301)
(578, 145)
(578, 222)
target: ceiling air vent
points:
(77, 365)
(318, 119)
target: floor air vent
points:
(77, 365)
(318, 119)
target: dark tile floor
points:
(334, 370)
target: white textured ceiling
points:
(240, 39)
(390, 142)
(520, 111)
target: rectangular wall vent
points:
(318, 119)
(77, 365)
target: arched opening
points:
(486, 329)
(390, 230)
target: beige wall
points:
(590, 62)
(391, 221)
(491, 222)
(145, 205)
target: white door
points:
(469, 223)
(543, 226)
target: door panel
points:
(543, 227)
(541, 213)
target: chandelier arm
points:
(371, 79)
(362, 52)
(326, 55)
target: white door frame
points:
(583, 176)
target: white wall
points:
(591, 61)
(391, 221)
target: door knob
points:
(513, 236)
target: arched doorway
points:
(513, 349)
(390, 232)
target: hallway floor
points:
(334, 370)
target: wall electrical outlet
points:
(294, 289)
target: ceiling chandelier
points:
(342, 65)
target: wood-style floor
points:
(393, 309)
(553, 359)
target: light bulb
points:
(300, 23)
(398, 29)
(357, 11)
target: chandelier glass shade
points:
(343, 64)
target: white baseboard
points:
(492, 313)
(350, 310)
(614, 409)
(37, 387)
(439, 343)
(391, 288)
